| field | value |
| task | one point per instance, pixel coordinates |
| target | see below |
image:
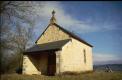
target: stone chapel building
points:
(57, 51)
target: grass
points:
(85, 76)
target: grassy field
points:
(85, 76)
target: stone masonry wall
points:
(53, 33)
(72, 57)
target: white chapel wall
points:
(28, 67)
(72, 58)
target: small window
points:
(84, 52)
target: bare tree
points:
(16, 27)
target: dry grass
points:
(86, 76)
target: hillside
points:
(114, 67)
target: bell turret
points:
(53, 20)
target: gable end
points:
(66, 31)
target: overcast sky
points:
(99, 23)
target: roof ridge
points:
(73, 35)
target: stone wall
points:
(53, 33)
(28, 66)
(72, 57)
(35, 64)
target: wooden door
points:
(51, 64)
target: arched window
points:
(84, 52)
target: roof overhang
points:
(56, 45)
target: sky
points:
(99, 23)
